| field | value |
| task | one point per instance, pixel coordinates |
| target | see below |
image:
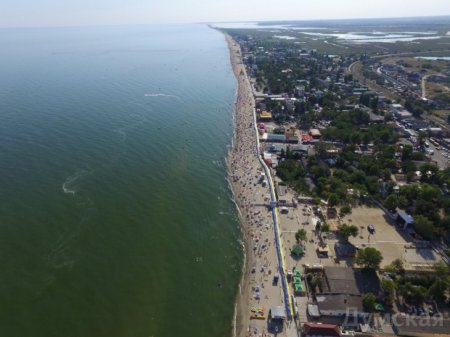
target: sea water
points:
(115, 212)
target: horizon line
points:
(227, 21)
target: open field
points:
(393, 242)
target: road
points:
(424, 86)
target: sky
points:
(17, 13)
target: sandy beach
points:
(256, 290)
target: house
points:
(341, 305)
(315, 133)
(321, 330)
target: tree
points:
(346, 209)
(391, 202)
(424, 227)
(369, 257)
(348, 230)
(369, 301)
(333, 199)
(388, 286)
(300, 235)
(438, 289)
(325, 228)
(396, 267)
(442, 269)
(412, 294)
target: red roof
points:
(315, 329)
(306, 138)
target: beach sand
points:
(256, 289)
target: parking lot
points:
(441, 156)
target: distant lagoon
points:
(434, 58)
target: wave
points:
(68, 185)
(163, 95)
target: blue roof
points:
(274, 137)
(405, 217)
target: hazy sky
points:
(89, 12)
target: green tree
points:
(388, 286)
(396, 267)
(369, 300)
(412, 294)
(442, 269)
(333, 199)
(300, 235)
(369, 257)
(424, 227)
(348, 230)
(346, 209)
(391, 202)
(325, 228)
(438, 289)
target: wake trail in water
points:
(164, 95)
(69, 184)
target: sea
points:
(116, 218)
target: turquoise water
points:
(115, 214)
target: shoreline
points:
(245, 171)
(258, 290)
(241, 111)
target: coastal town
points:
(340, 168)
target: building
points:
(277, 148)
(292, 139)
(265, 116)
(277, 313)
(315, 133)
(341, 305)
(300, 90)
(342, 280)
(402, 114)
(342, 291)
(321, 330)
(404, 219)
(306, 138)
(360, 90)
(273, 138)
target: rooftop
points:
(342, 280)
(318, 329)
(339, 302)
